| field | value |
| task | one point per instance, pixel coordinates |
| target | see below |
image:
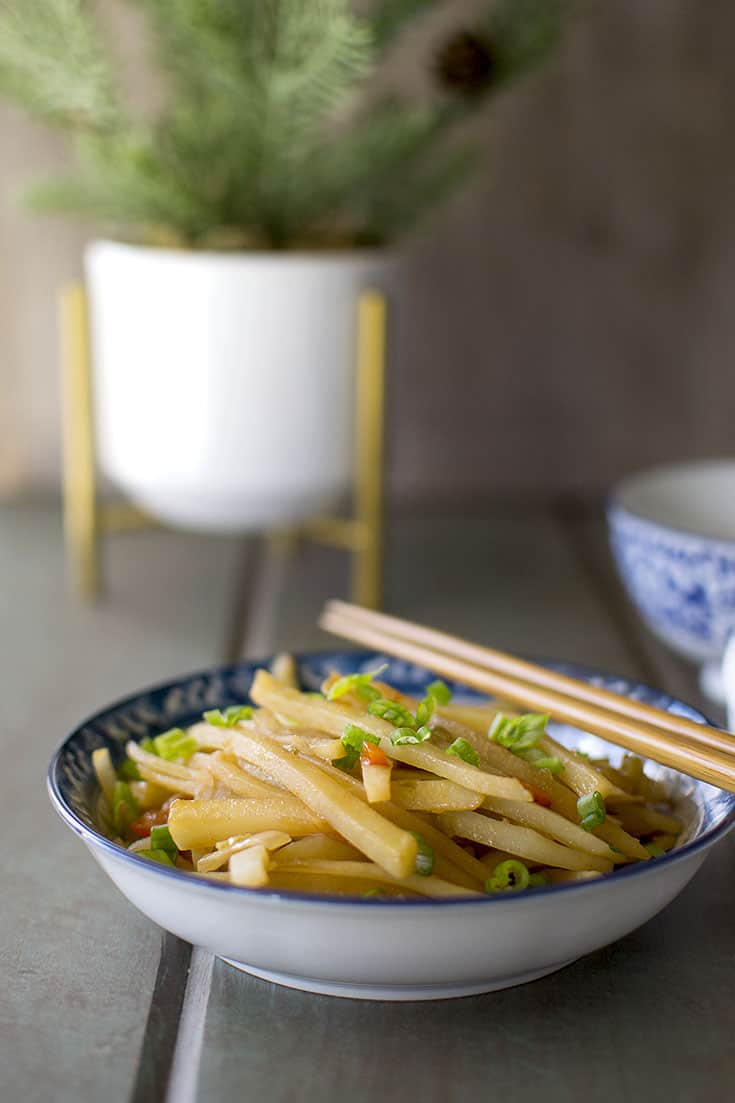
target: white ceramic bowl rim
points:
(279, 898)
(616, 503)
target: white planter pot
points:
(224, 383)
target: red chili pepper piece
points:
(371, 755)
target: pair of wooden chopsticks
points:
(695, 749)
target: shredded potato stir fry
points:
(360, 790)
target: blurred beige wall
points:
(565, 321)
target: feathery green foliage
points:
(270, 135)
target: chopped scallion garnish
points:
(229, 717)
(147, 745)
(374, 892)
(175, 743)
(161, 856)
(361, 684)
(124, 807)
(654, 850)
(347, 761)
(591, 811)
(161, 839)
(518, 733)
(425, 710)
(464, 750)
(537, 880)
(424, 856)
(401, 736)
(508, 876)
(440, 691)
(545, 762)
(393, 712)
(354, 736)
(128, 771)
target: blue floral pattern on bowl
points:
(683, 584)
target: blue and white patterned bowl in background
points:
(672, 532)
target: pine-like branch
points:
(53, 63)
(266, 137)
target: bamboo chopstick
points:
(701, 751)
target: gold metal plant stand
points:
(87, 518)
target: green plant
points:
(270, 135)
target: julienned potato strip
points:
(450, 860)
(434, 795)
(551, 824)
(423, 886)
(521, 841)
(582, 776)
(295, 706)
(271, 808)
(200, 824)
(472, 722)
(465, 868)
(383, 842)
(562, 800)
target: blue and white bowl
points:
(672, 532)
(380, 948)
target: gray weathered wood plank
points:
(647, 1018)
(508, 579)
(78, 963)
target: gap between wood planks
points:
(168, 1067)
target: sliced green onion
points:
(347, 761)
(147, 745)
(161, 856)
(518, 733)
(654, 850)
(544, 762)
(537, 880)
(393, 712)
(128, 771)
(425, 710)
(509, 876)
(356, 683)
(354, 736)
(464, 750)
(124, 807)
(591, 811)
(440, 691)
(231, 716)
(424, 856)
(161, 839)
(175, 743)
(401, 736)
(316, 696)
(374, 892)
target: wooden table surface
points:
(98, 1006)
